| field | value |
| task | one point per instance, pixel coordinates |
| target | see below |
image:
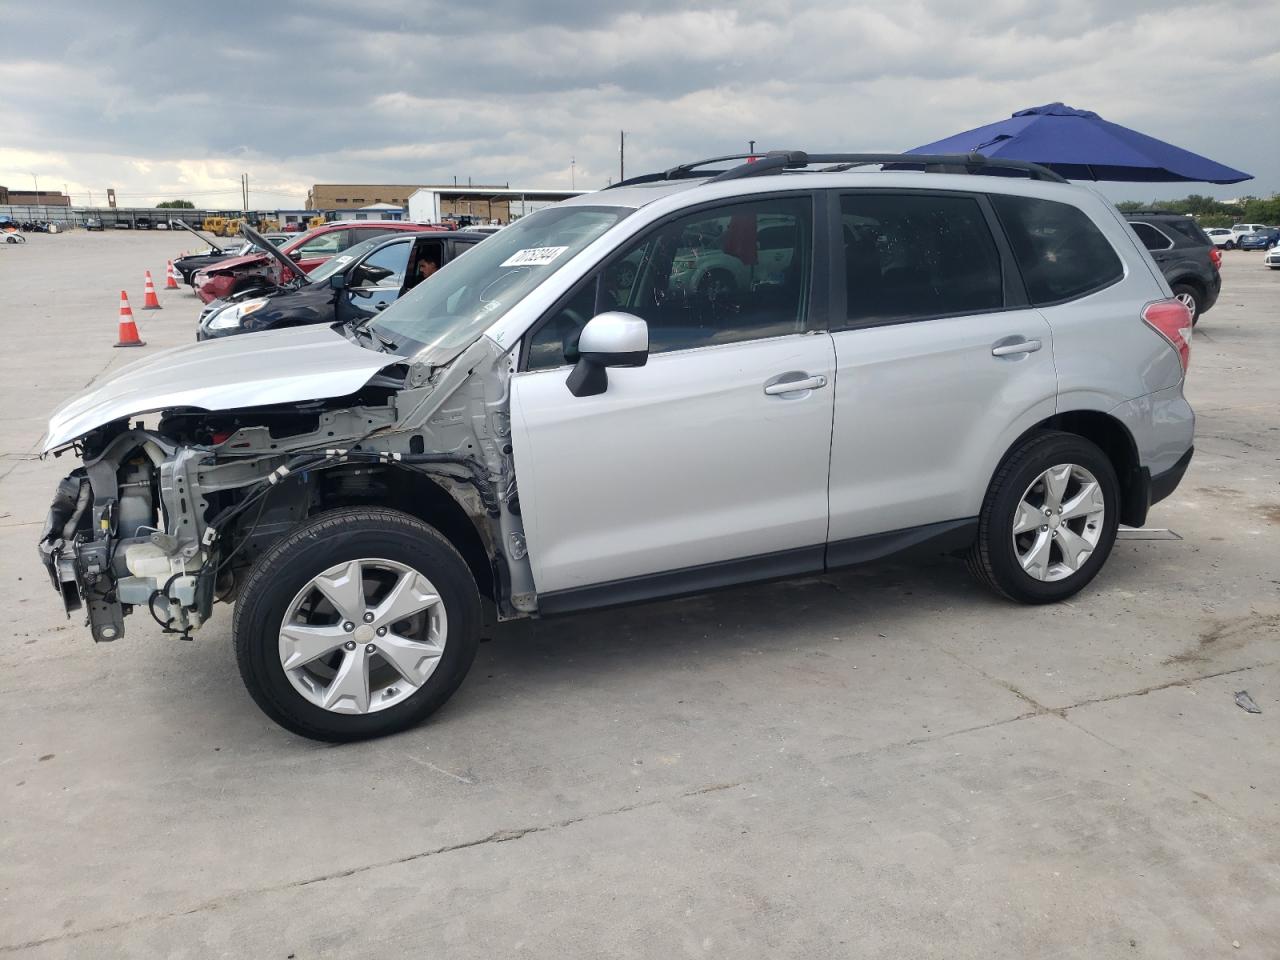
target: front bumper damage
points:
(123, 531)
(170, 519)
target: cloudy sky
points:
(164, 100)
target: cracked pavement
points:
(883, 763)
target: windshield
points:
(335, 263)
(470, 293)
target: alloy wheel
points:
(1058, 522)
(363, 636)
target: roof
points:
(641, 195)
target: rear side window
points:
(1189, 229)
(1151, 238)
(327, 244)
(915, 256)
(1059, 250)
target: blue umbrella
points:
(1080, 145)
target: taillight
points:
(1215, 257)
(1172, 320)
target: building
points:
(45, 198)
(431, 204)
(375, 211)
(435, 202)
(353, 196)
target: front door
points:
(700, 468)
(940, 366)
(374, 283)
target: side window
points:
(384, 267)
(1191, 230)
(1151, 238)
(364, 233)
(722, 275)
(327, 244)
(915, 256)
(1060, 252)
(428, 258)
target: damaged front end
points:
(122, 532)
(169, 518)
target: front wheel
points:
(361, 623)
(1048, 521)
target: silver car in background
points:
(573, 416)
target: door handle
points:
(1018, 346)
(774, 388)
(381, 306)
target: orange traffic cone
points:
(170, 281)
(128, 329)
(149, 299)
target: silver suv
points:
(897, 352)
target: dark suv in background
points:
(1185, 254)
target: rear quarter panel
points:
(1104, 353)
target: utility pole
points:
(573, 163)
(751, 147)
(622, 155)
(36, 181)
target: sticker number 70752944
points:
(533, 256)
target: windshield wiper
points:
(362, 327)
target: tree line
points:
(1215, 213)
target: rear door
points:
(1158, 243)
(940, 364)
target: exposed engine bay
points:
(169, 517)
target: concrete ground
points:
(884, 763)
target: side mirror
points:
(338, 280)
(608, 340)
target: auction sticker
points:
(533, 257)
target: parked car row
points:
(350, 288)
(1260, 239)
(257, 270)
(567, 417)
(1185, 254)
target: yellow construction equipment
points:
(316, 221)
(213, 225)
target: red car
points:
(308, 250)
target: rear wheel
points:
(1048, 521)
(1191, 297)
(361, 623)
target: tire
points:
(1192, 297)
(994, 556)
(286, 574)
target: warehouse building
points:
(34, 198)
(431, 203)
(353, 196)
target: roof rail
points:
(779, 161)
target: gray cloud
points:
(160, 98)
